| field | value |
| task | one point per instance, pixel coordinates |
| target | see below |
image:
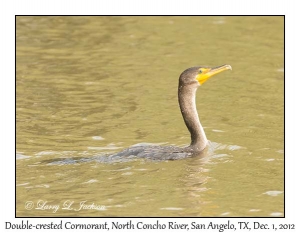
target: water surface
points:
(92, 86)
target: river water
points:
(92, 86)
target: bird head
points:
(199, 75)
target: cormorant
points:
(189, 81)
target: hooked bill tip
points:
(229, 67)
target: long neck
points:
(187, 103)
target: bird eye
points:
(200, 71)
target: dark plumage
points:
(189, 81)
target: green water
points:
(91, 86)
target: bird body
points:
(155, 152)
